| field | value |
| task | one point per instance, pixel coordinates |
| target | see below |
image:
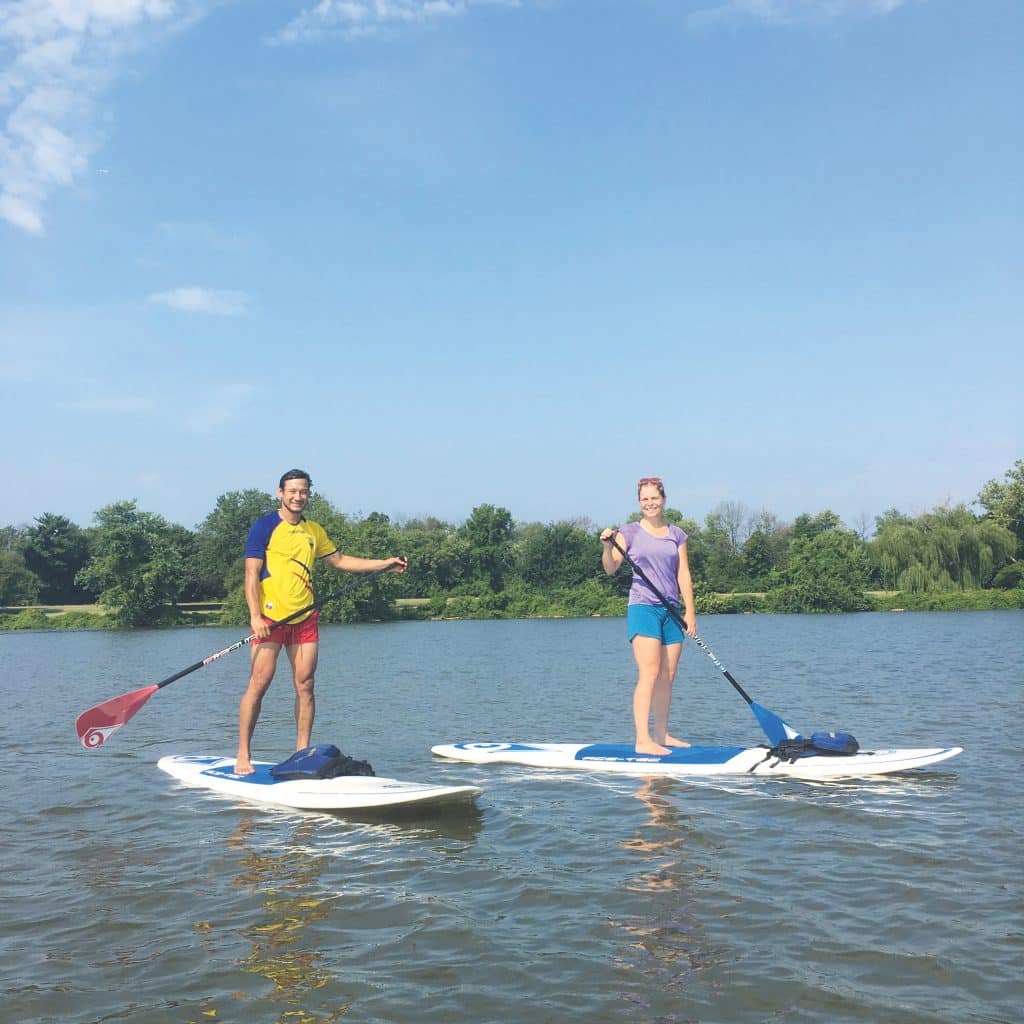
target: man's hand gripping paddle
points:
(99, 723)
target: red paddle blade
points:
(98, 724)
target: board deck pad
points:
(346, 792)
(694, 760)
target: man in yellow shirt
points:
(280, 552)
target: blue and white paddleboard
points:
(345, 793)
(696, 760)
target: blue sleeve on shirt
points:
(259, 536)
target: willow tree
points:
(946, 549)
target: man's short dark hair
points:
(295, 474)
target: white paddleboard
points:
(345, 793)
(696, 760)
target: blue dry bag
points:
(321, 761)
(834, 743)
(827, 744)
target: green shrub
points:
(234, 611)
(82, 620)
(463, 606)
(1010, 576)
(588, 599)
(951, 601)
(729, 604)
(30, 618)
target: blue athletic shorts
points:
(652, 620)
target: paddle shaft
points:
(282, 622)
(674, 612)
(95, 725)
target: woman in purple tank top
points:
(659, 549)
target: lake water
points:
(126, 897)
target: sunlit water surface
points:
(561, 896)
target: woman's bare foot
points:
(671, 741)
(243, 766)
(650, 747)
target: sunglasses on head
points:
(656, 480)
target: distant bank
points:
(209, 613)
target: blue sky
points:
(444, 253)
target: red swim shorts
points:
(304, 632)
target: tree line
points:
(145, 570)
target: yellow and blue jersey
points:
(289, 552)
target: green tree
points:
(10, 538)
(438, 558)
(375, 536)
(488, 532)
(373, 599)
(556, 555)
(806, 526)
(137, 567)
(765, 550)
(723, 537)
(55, 549)
(826, 572)
(196, 584)
(220, 538)
(18, 584)
(1003, 501)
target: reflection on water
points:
(668, 948)
(660, 837)
(286, 882)
(296, 939)
(589, 897)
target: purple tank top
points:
(659, 559)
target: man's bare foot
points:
(671, 741)
(650, 747)
(243, 766)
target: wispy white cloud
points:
(203, 300)
(352, 19)
(58, 56)
(792, 12)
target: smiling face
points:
(294, 497)
(652, 501)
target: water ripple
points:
(127, 897)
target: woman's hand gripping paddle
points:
(775, 728)
(99, 723)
